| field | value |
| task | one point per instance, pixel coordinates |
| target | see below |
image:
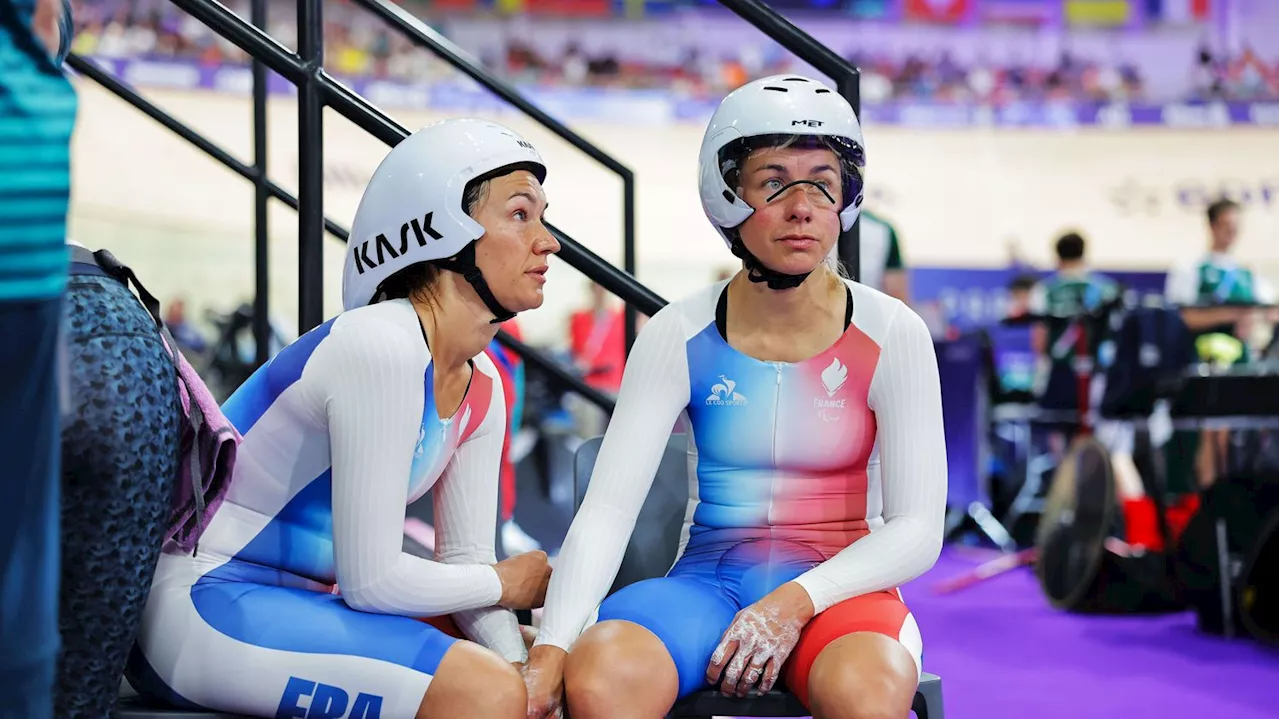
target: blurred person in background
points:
(880, 256)
(190, 340)
(1020, 291)
(1073, 288)
(37, 116)
(1215, 279)
(511, 371)
(598, 348)
(1206, 288)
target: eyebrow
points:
(774, 167)
(532, 200)
(525, 194)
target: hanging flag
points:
(1031, 12)
(945, 11)
(1180, 11)
(1098, 12)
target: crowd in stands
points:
(359, 45)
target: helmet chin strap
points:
(464, 263)
(757, 272)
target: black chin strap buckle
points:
(757, 272)
(464, 263)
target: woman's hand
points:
(524, 580)
(544, 680)
(759, 640)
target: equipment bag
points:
(1230, 529)
(1257, 601)
(209, 441)
(1151, 344)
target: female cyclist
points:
(299, 600)
(817, 472)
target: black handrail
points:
(261, 197)
(129, 95)
(826, 61)
(377, 123)
(310, 167)
(533, 356)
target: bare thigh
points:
(473, 681)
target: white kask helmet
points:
(412, 212)
(777, 107)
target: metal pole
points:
(847, 86)
(629, 251)
(261, 257)
(310, 167)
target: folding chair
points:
(651, 552)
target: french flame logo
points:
(833, 376)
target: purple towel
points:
(209, 443)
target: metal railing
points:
(577, 255)
(317, 89)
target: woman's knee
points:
(473, 681)
(862, 676)
(618, 667)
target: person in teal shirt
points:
(1215, 280)
(1218, 297)
(1072, 289)
(37, 113)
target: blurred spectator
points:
(596, 341)
(190, 341)
(598, 348)
(880, 257)
(359, 45)
(1066, 295)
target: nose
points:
(799, 202)
(547, 244)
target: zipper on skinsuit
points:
(773, 446)
(777, 403)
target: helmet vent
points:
(821, 90)
(795, 79)
(775, 89)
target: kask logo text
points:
(382, 247)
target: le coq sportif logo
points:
(723, 393)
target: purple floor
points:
(1002, 652)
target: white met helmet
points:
(412, 212)
(770, 110)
